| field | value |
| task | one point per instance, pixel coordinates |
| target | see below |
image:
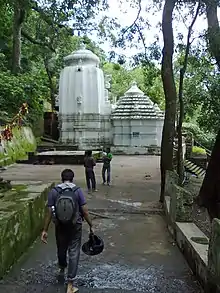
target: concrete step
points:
(193, 168)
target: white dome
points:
(82, 56)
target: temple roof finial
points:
(134, 83)
(82, 46)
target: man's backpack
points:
(67, 205)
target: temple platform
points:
(55, 157)
(63, 157)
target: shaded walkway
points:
(139, 253)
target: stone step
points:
(188, 163)
(203, 173)
(193, 168)
(197, 169)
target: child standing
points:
(89, 164)
(107, 166)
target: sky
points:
(128, 17)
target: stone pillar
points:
(214, 253)
(181, 204)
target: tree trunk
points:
(52, 95)
(213, 29)
(180, 160)
(209, 195)
(166, 162)
(19, 15)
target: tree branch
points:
(36, 42)
(47, 18)
(143, 40)
(136, 19)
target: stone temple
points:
(88, 120)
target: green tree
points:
(147, 77)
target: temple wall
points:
(136, 133)
(87, 131)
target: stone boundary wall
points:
(201, 253)
(132, 150)
(23, 141)
(22, 211)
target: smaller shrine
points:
(137, 123)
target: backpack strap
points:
(59, 189)
(75, 188)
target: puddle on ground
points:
(105, 224)
(131, 204)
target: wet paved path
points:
(139, 255)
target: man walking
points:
(89, 164)
(107, 166)
(67, 208)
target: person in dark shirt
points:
(89, 164)
(68, 237)
(107, 166)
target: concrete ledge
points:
(195, 253)
(22, 212)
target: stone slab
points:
(21, 217)
(25, 182)
(195, 253)
(65, 153)
(191, 230)
(37, 188)
(64, 157)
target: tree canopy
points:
(36, 35)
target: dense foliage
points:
(34, 38)
(36, 35)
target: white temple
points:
(84, 109)
(88, 120)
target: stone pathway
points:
(139, 255)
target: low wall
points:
(185, 235)
(201, 253)
(23, 141)
(22, 211)
(132, 150)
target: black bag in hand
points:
(94, 245)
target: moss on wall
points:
(23, 141)
(21, 217)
